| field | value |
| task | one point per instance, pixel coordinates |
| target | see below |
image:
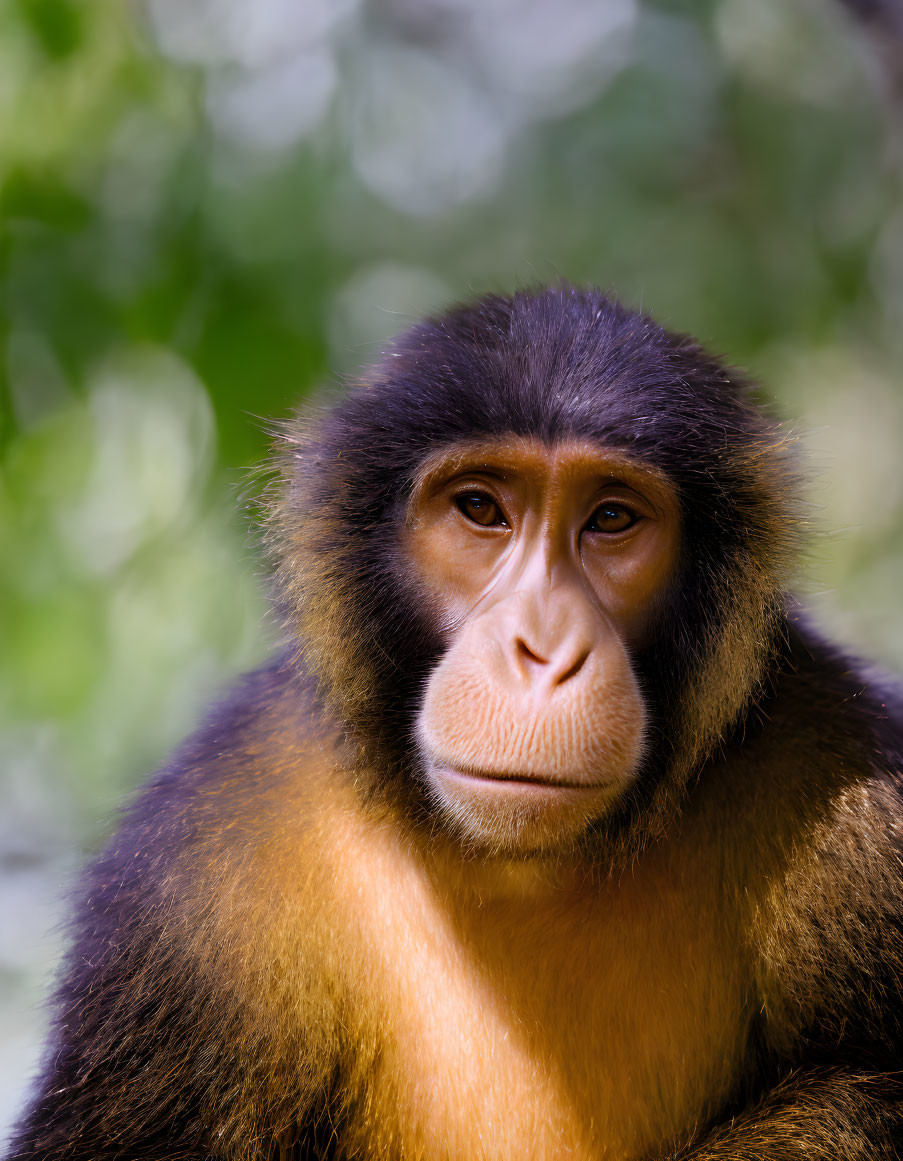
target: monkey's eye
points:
(611, 518)
(481, 509)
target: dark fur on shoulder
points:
(144, 1041)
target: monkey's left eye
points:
(611, 518)
(481, 509)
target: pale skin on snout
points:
(545, 566)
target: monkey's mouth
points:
(517, 782)
(517, 810)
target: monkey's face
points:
(544, 567)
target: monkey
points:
(552, 830)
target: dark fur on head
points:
(556, 363)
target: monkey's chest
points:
(592, 1030)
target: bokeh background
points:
(210, 209)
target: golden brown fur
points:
(488, 1010)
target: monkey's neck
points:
(501, 878)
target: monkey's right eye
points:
(481, 509)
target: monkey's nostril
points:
(574, 668)
(525, 653)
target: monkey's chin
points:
(519, 813)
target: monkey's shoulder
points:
(256, 767)
(828, 722)
(808, 805)
(158, 981)
(818, 766)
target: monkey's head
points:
(536, 559)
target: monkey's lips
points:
(515, 811)
(517, 783)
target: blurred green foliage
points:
(207, 209)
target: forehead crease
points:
(565, 458)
